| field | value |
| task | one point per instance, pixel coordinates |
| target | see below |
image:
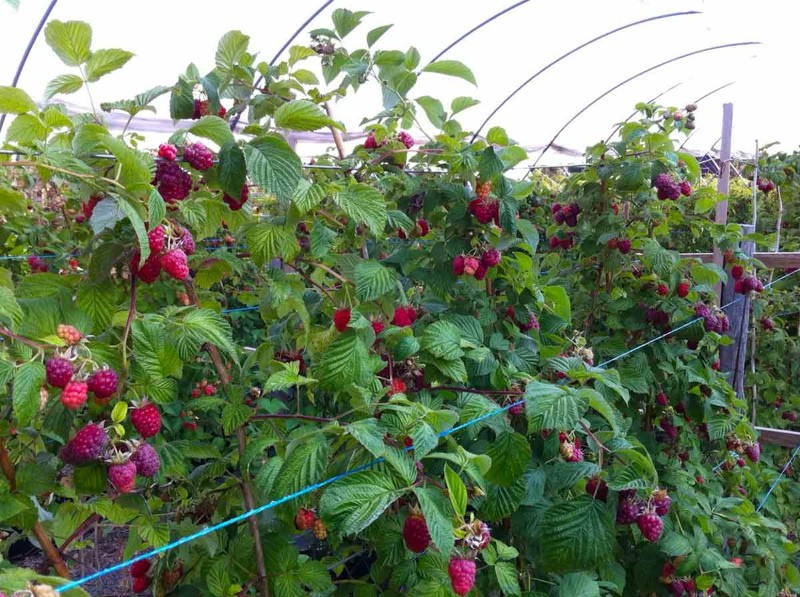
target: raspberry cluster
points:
(166, 252)
(484, 208)
(747, 284)
(623, 245)
(713, 320)
(562, 240)
(472, 266)
(404, 316)
(37, 264)
(566, 214)
(209, 389)
(765, 185)
(668, 188)
(680, 586)
(141, 575)
(647, 517)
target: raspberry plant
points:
(398, 292)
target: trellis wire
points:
(316, 486)
(778, 479)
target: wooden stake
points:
(723, 185)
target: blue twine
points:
(778, 480)
(240, 309)
(245, 515)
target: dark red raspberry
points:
(683, 289)
(156, 237)
(377, 326)
(149, 271)
(484, 210)
(597, 488)
(123, 476)
(146, 460)
(651, 526)
(422, 228)
(370, 142)
(481, 271)
(462, 574)
(341, 317)
(661, 399)
(103, 383)
(175, 264)
(491, 258)
(74, 395)
(87, 445)
(174, 183)
(304, 519)
(767, 324)
(677, 588)
(737, 271)
(406, 139)
(201, 108)
(661, 502)
(458, 265)
(685, 187)
(59, 372)
(37, 264)
(167, 151)
(663, 289)
(753, 452)
(87, 208)
(517, 409)
(553, 242)
(404, 316)
(146, 419)
(139, 584)
(624, 246)
(628, 509)
(415, 533)
(531, 324)
(235, 204)
(198, 156)
(141, 567)
(612, 243)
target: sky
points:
(167, 36)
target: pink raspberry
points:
(471, 265)
(651, 526)
(236, 204)
(167, 151)
(74, 395)
(484, 210)
(175, 264)
(146, 460)
(156, 238)
(370, 142)
(491, 258)
(406, 139)
(59, 372)
(199, 156)
(123, 476)
(462, 574)
(753, 452)
(103, 383)
(174, 183)
(517, 409)
(628, 509)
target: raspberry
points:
(661, 502)
(491, 258)
(59, 372)
(200, 109)
(470, 265)
(174, 183)
(553, 242)
(737, 271)
(167, 151)
(87, 445)
(566, 242)
(415, 533)
(370, 142)
(597, 488)
(531, 324)
(139, 584)
(187, 241)
(140, 568)
(341, 317)
(767, 324)
(651, 526)
(481, 271)
(624, 246)
(753, 452)
(68, 333)
(683, 289)
(235, 204)
(677, 588)
(462, 574)
(156, 238)
(199, 156)
(123, 476)
(304, 519)
(517, 409)
(221, 112)
(377, 327)
(422, 228)
(685, 187)
(560, 217)
(398, 386)
(103, 383)
(612, 243)
(663, 289)
(406, 139)
(484, 210)
(628, 510)
(87, 208)
(37, 264)
(404, 316)
(74, 394)
(210, 390)
(320, 530)
(661, 399)
(146, 460)
(146, 419)
(175, 264)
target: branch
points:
(32, 343)
(82, 528)
(291, 416)
(337, 136)
(324, 267)
(126, 332)
(477, 391)
(310, 281)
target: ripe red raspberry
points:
(481, 271)
(531, 324)
(74, 395)
(190, 425)
(156, 238)
(87, 445)
(566, 242)
(398, 386)
(235, 204)
(553, 242)
(491, 258)
(767, 324)
(199, 156)
(753, 452)
(661, 399)
(404, 316)
(210, 390)
(651, 526)
(458, 265)
(597, 488)
(685, 188)
(415, 533)
(470, 265)
(716, 365)
(201, 108)
(103, 383)
(406, 139)
(59, 372)
(73, 263)
(370, 142)
(149, 271)
(612, 243)
(87, 208)
(341, 317)
(484, 210)
(175, 264)
(422, 227)
(174, 183)
(68, 333)
(737, 271)
(683, 289)
(663, 290)
(123, 476)
(517, 409)
(661, 502)
(140, 568)
(462, 574)
(139, 584)
(304, 519)
(624, 246)
(167, 151)
(222, 111)
(677, 587)
(146, 419)
(628, 509)
(146, 460)
(320, 530)
(37, 264)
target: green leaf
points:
(28, 382)
(26, 129)
(343, 362)
(529, 234)
(506, 574)
(11, 201)
(344, 21)
(369, 434)
(510, 454)
(434, 507)
(303, 115)
(286, 378)
(434, 110)
(402, 463)
(70, 40)
(103, 62)
(442, 339)
(10, 311)
(232, 168)
(575, 535)
(376, 34)
(357, 501)
(552, 407)
(456, 490)
(490, 165)
(674, 544)
(307, 196)
(298, 53)
(578, 584)
(373, 280)
(231, 49)
(321, 240)
(199, 326)
(365, 205)
(273, 165)
(15, 101)
(218, 579)
(138, 226)
(461, 103)
(234, 415)
(156, 208)
(214, 129)
(304, 464)
(558, 301)
(65, 84)
(455, 369)
(268, 241)
(453, 68)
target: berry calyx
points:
(103, 383)
(74, 395)
(58, 371)
(123, 476)
(199, 156)
(175, 263)
(462, 574)
(415, 533)
(146, 419)
(341, 317)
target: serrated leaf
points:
(70, 40)
(373, 280)
(575, 535)
(501, 502)
(234, 415)
(15, 101)
(65, 84)
(490, 166)
(456, 490)
(375, 34)
(344, 20)
(437, 517)
(443, 340)
(321, 240)
(307, 196)
(232, 168)
(102, 62)
(674, 544)
(230, 49)
(10, 311)
(402, 463)
(434, 110)
(510, 454)
(27, 383)
(11, 201)
(357, 501)
(369, 434)
(273, 165)
(268, 241)
(453, 68)
(578, 585)
(199, 326)
(218, 579)
(214, 129)
(343, 362)
(303, 465)
(552, 407)
(137, 223)
(156, 209)
(506, 574)
(462, 103)
(303, 115)
(365, 205)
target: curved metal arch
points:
(636, 76)
(570, 53)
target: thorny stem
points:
(82, 528)
(241, 439)
(32, 343)
(126, 332)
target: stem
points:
(82, 528)
(310, 281)
(291, 416)
(324, 267)
(90, 177)
(241, 439)
(32, 343)
(337, 136)
(126, 332)
(477, 391)
(41, 535)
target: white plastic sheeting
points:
(166, 36)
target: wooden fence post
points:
(723, 184)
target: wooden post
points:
(723, 185)
(732, 357)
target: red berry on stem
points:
(146, 460)
(462, 574)
(59, 372)
(74, 394)
(140, 568)
(491, 258)
(737, 271)
(377, 327)
(103, 383)
(651, 526)
(683, 289)
(304, 519)
(341, 318)
(236, 203)
(123, 476)
(415, 533)
(87, 445)
(139, 584)
(167, 151)
(146, 419)
(471, 265)
(199, 156)
(156, 238)
(663, 289)
(175, 263)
